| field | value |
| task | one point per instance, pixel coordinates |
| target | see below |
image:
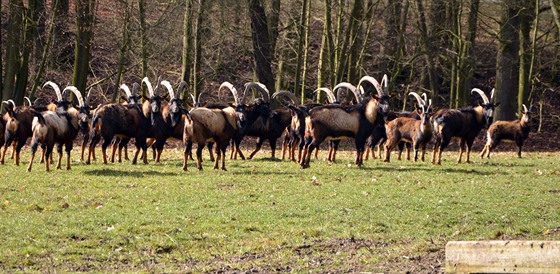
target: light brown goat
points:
(516, 131)
(203, 125)
(410, 130)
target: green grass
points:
(268, 215)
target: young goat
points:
(410, 130)
(465, 124)
(61, 128)
(516, 131)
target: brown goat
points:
(50, 128)
(203, 125)
(410, 130)
(517, 131)
(17, 129)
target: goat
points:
(250, 113)
(334, 143)
(465, 123)
(170, 121)
(19, 122)
(379, 134)
(216, 125)
(61, 128)
(355, 121)
(119, 144)
(517, 131)
(296, 130)
(410, 130)
(3, 124)
(123, 121)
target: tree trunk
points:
(261, 44)
(143, 40)
(14, 36)
(62, 55)
(356, 40)
(469, 60)
(507, 67)
(197, 82)
(554, 7)
(84, 36)
(301, 43)
(28, 42)
(186, 57)
(429, 52)
(274, 20)
(306, 51)
(44, 55)
(322, 70)
(527, 15)
(122, 52)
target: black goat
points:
(355, 121)
(465, 123)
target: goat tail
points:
(40, 118)
(39, 126)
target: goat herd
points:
(368, 120)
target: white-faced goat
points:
(355, 121)
(418, 132)
(169, 122)
(517, 131)
(60, 128)
(465, 124)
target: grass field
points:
(270, 216)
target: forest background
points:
(441, 47)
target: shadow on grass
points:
(116, 173)
(464, 169)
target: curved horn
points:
(76, 92)
(329, 93)
(158, 86)
(385, 83)
(492, 95)
(288, 94)
(421, 102)
(182, 85)
(351, 87)
(525, 108)
(135, 88)
(193, 99)
(481, 93)
(88, 96)
(425, 97)
(260, 87)
(372, 81)
(12, 101)
(126, 90)
(149, 85)
(232, 89)
(25, 98)
(56, 89)
(167, 85)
